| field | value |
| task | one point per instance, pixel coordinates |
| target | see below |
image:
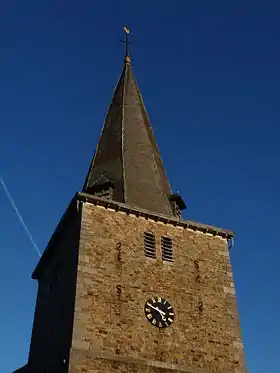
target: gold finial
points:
(127, 32)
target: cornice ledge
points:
(118, 206)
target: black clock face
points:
(159, 312)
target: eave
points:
(225, 233)
(118, 206)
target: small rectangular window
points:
(166, 247)
(150, 245)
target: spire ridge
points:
(127, 166)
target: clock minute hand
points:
(156, 308)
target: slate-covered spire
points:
(127, 165)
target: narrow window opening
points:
(166, 247)
(150, 245)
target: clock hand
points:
(156, 308)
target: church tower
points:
(125, 284)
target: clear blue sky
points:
(209, 73)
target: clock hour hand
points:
(156, 308)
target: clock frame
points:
(159, 312)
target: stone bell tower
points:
(125, 284)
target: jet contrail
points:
(10, 198)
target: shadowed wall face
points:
(115, 278)
(53, 322)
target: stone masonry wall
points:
(111, 333)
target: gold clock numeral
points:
(171, 314)
(169, 307)
(149, 316)
(148, 310)
(169, 319)
(166, 323)
(159, 299)
(153, 300)
(160, 324)
(165, 302)
(154, 322)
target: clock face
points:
(159, 312)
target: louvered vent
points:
(166, 247)
(149, 245)
(105, 193)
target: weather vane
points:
(127, 43)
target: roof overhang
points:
(73, 209)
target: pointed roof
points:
(127, 154)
